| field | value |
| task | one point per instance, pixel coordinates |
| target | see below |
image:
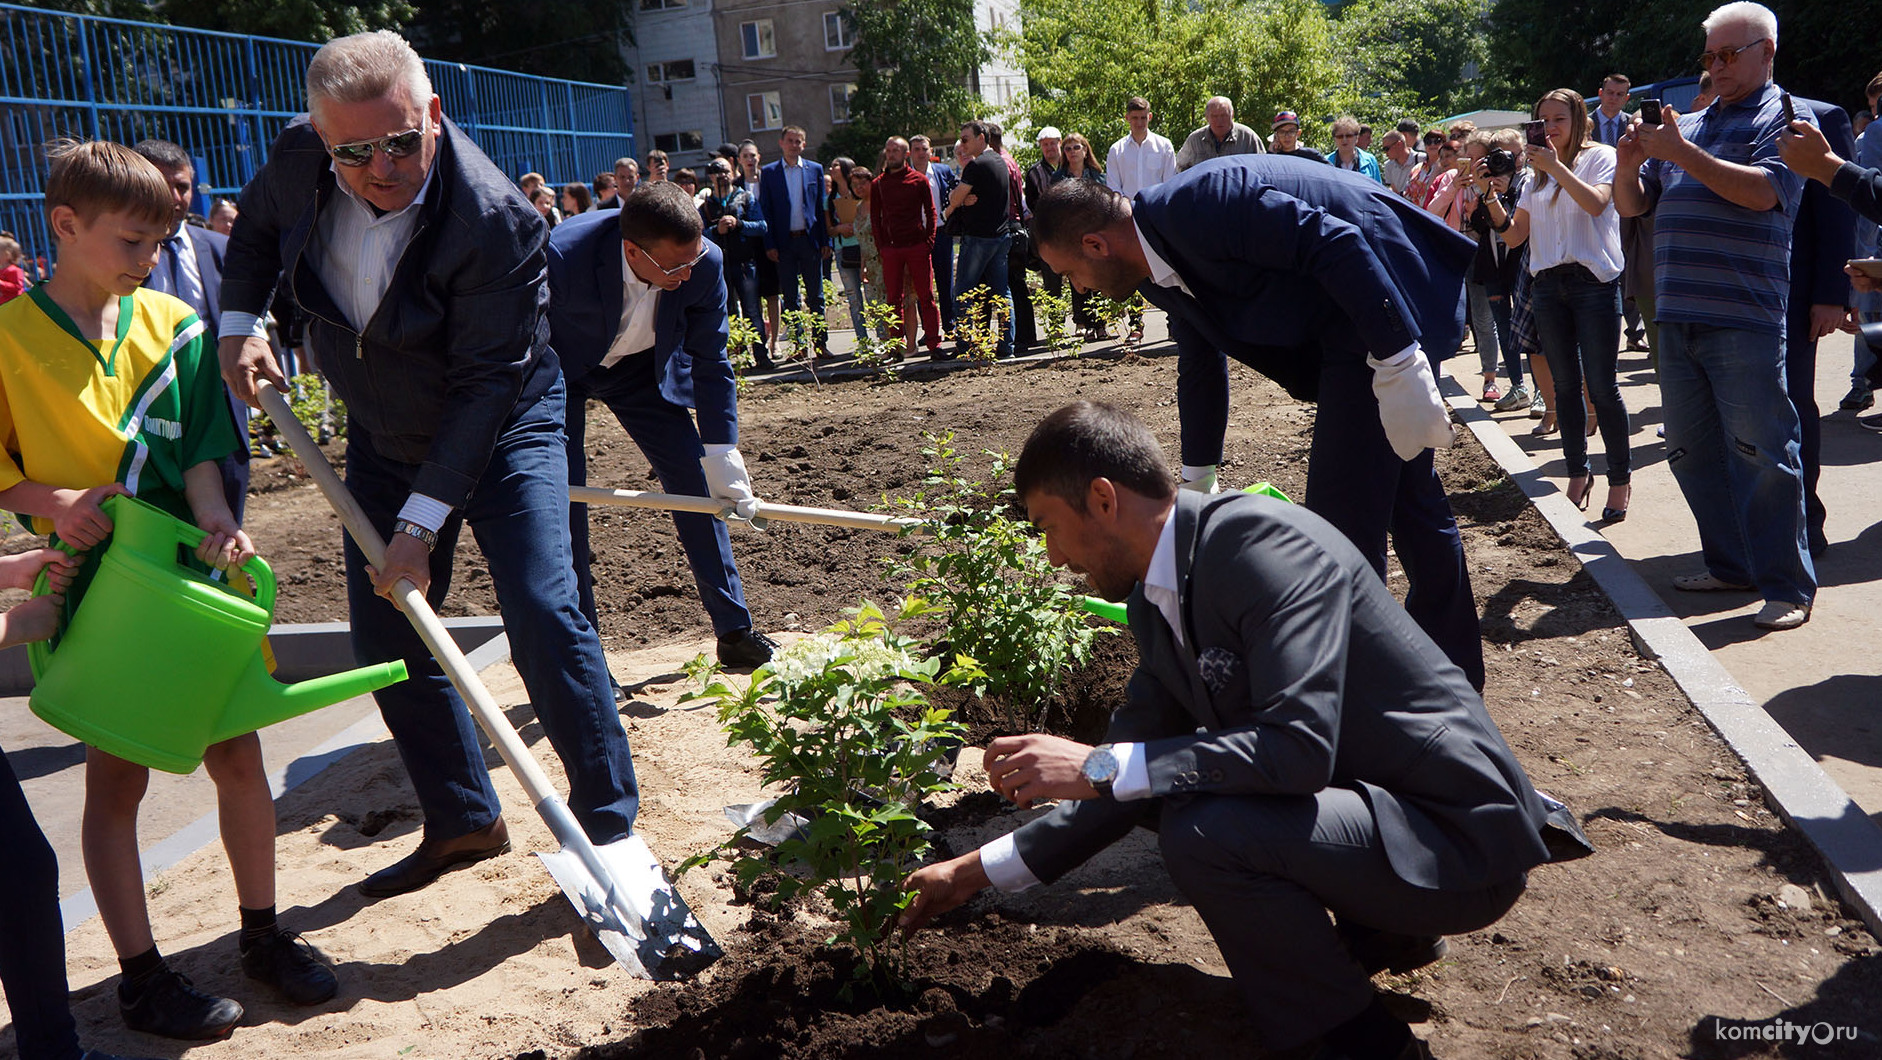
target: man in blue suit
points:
(637, 314)
(1332, 286)
(941, 181)
(189, 267)
(1823, 238)
(790, 193)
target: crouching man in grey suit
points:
(1297, 741)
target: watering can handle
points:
(189, 537)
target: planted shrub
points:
(984, 566)
(842, 722)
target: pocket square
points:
(1218, 666)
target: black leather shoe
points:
(1387, 951)
(434, 858)
(169, 1006)
(288, 963)
(745, 649)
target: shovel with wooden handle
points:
(619, 889)
(784, 513)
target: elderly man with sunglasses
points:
(420, 268)
(1724, 207)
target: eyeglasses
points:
(1727, 56)
(677, 269)
(1073, 147)
(359, 152)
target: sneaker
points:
(1537, 406)
(746, 649)
(1870, 423)
(1517, 398)
(1491, 394)
(1859, 398)
(168, 1005)
(291, 965)
(1781, 614)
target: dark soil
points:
(1636, 952)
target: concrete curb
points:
(485, 644)
(1804, 795)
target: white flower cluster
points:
(871, 659)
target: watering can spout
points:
(258, 700)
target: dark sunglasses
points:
(1728, 56)
(359, 152)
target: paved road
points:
(1822, 682)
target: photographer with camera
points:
(1566, 214)
(1494, 173)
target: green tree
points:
(1537, 45)
(900, 91)
(1085, 58)
(308, 20)
(1415, 51)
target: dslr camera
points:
(1500, 163)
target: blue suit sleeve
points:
(715, 388)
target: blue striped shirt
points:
(1715, 262)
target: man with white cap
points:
(1039, 176)
(1222, 135)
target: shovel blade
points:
(636, 913)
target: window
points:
(759, 39)
(765, 110)
(676, 70)
(661, 5)
(692, 140)
(840, 102)
(836, 32)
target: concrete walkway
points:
(1823, 682)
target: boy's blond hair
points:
(98, 176)
(10, 248)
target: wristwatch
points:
(1100, 768)
(429, 537)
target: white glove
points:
(727, 480)
(1201, 479)
(1414, 416)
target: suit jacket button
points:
(1215, 775)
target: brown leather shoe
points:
(434, 858)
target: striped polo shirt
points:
(1715, 262)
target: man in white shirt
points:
(1140, 159)
(1297, 742)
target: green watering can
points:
(159, 661)
(1116, 612)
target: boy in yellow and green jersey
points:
(108, 388)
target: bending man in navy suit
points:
(1332, 286)
(637, 314)
(1298, 744)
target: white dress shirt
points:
(1130, 167)
(186, 274)
(640, 308)
(1000, 858)
(354, 250)
(794, 184)
(1161, 272)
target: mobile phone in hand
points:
(1536, 133)
(1650, 112)
(1790, 110)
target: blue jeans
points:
(983, 261)
(519, 514)
(1732, 441)
(1578, 321)
(32, 939)
(944, 278)
(1490, 324)
(669, 439)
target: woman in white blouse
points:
(1567, 216)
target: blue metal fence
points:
(225, 97)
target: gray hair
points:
(366, 66)
(1759, 17)
(1219, 101)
